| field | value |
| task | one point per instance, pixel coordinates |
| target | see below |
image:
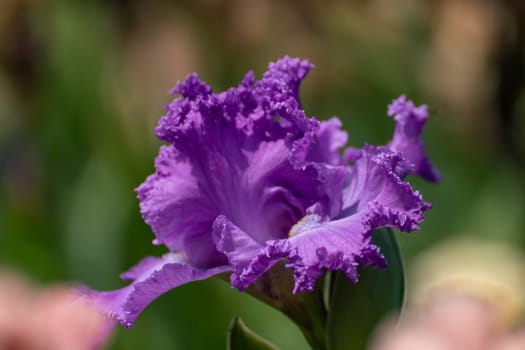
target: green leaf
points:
(356, 309)
(241, 337)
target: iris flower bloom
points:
(247, 179)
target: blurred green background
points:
(83, 83)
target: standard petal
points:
(278, 92)
(230, 156)
(284, 76)
(192, 87)
(323, 145)
(375, 182)
(274, 194)
(153, 277)
(319, 150)
(176, 209)
(410, 121)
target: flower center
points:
(306, 223)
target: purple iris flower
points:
(248, 179)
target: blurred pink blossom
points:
(449, 322)
(49, 318)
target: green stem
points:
(314, 328)
(305, 309)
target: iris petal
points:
(152, 278)
(410, 121)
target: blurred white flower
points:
(466, 294)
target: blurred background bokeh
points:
(83, 83)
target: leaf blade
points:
(240, 337)
(356, 309)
